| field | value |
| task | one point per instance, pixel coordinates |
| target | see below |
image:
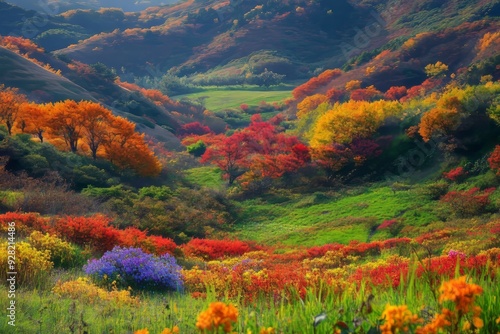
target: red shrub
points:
(387, 224)
(194, 128)
(132, 237)
(215, 249)
(318, 251)
(313, 84)
(25, 222)
(335, 95)
(455, 174)
(394, 242)
(494, 160)
(89, 231)
(395, 92)
(162, 245)
(468, 202)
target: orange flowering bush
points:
(218, 315)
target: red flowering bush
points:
(94, 231)
(25, 222)
(456, 174)
(494, 160)
(215, 249)
(467, 203)
(193, 128)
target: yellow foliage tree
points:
(436, 69)
(350, 120)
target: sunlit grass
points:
(350, 217)
(217, 100)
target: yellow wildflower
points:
(268, 330)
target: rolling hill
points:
(63, 5)
(295, 38)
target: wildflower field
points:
(105, 280)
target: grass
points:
(42, 311)
(221, 99)
(208, 177)
(311, 221)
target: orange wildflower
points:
(440, 321)
(397, 319)
(142, 331)
(174, 330)
(217, 315)
(460, 292)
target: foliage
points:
(436, 69)
(132, 267)
(316, 82)
(494, 160)
(215, 249)
(31, 265)
(456, 174)
(257, 152)
(62, 253)
(85, 291)
(350, 120)
(82, 127)
(197, 149)
(468, 203)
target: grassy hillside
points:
(31, 78)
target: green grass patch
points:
(209, 177)
(221, 99)
(317, 220)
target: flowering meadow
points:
(106, 280)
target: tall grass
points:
(42, 311)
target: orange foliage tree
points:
(438, 121)
(33, 119)
(315, 83)
(10, 105)
(65, 121)
(82, 127)
(310, 103)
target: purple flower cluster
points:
(137, 269)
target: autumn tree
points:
(228, 156)
(350, 120)
(33, 119)
(395, 92)
(433, 70)
(313, 84)
(128, 149)
(10, 105)
(96, 122)
(258, 151)
(369, 93)
(65, 121)
(310, 103)
(331, 158)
